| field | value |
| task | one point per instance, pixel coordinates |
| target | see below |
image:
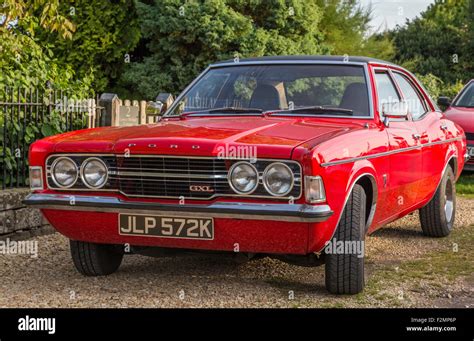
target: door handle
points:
(416, 136)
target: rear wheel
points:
(437, 217)
(345, 271)
(92, 259)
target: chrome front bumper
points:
(301, 213)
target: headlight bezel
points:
(53, 177)
(230, 172)
(83, 178)
(265, 174)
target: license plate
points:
(165, 226)
(470, 150)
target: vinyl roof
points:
(356, 59)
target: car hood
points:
(462, 116)
(274, 137)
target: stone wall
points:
(18, 221)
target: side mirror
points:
(444, 101)
(166, 99)
(394, 110)
(155, 109)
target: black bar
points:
(244, 324)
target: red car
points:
(296, 158)
(461, 111)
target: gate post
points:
(111, 104)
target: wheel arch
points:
(364, 175)
(369, 184)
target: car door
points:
(404, 149)
(429, 125)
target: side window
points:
(411, 96)
(387, 93)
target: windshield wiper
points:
(318, 109)
(226, 110)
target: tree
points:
(345, 26)
(24, 60)
(182, 38)
(179, 39)
(106, 33)
(439, 41)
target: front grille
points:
(172, 177)
(470, 136)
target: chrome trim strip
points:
(168, 175)
(301, 213)
(390, 152)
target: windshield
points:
(466, 98)
(279, 87)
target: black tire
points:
(95, 259)
(345, 272)
(437, 217)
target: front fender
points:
(339, 180)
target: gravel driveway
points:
(50, 280)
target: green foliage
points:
(106, 31)
(27, 61)
(23, 128)
(183, 38)
(345, 25)
(436, 87)
(440, 42)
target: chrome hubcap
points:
(448, 201)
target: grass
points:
(453, 261)
(465, 185)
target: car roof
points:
(290, 59)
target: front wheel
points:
(345, 257)
(437, 217)
(92, 259)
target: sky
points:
(389, 13)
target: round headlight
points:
(64, 172)
(94, 173)
(243, 177)
(278, 179)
